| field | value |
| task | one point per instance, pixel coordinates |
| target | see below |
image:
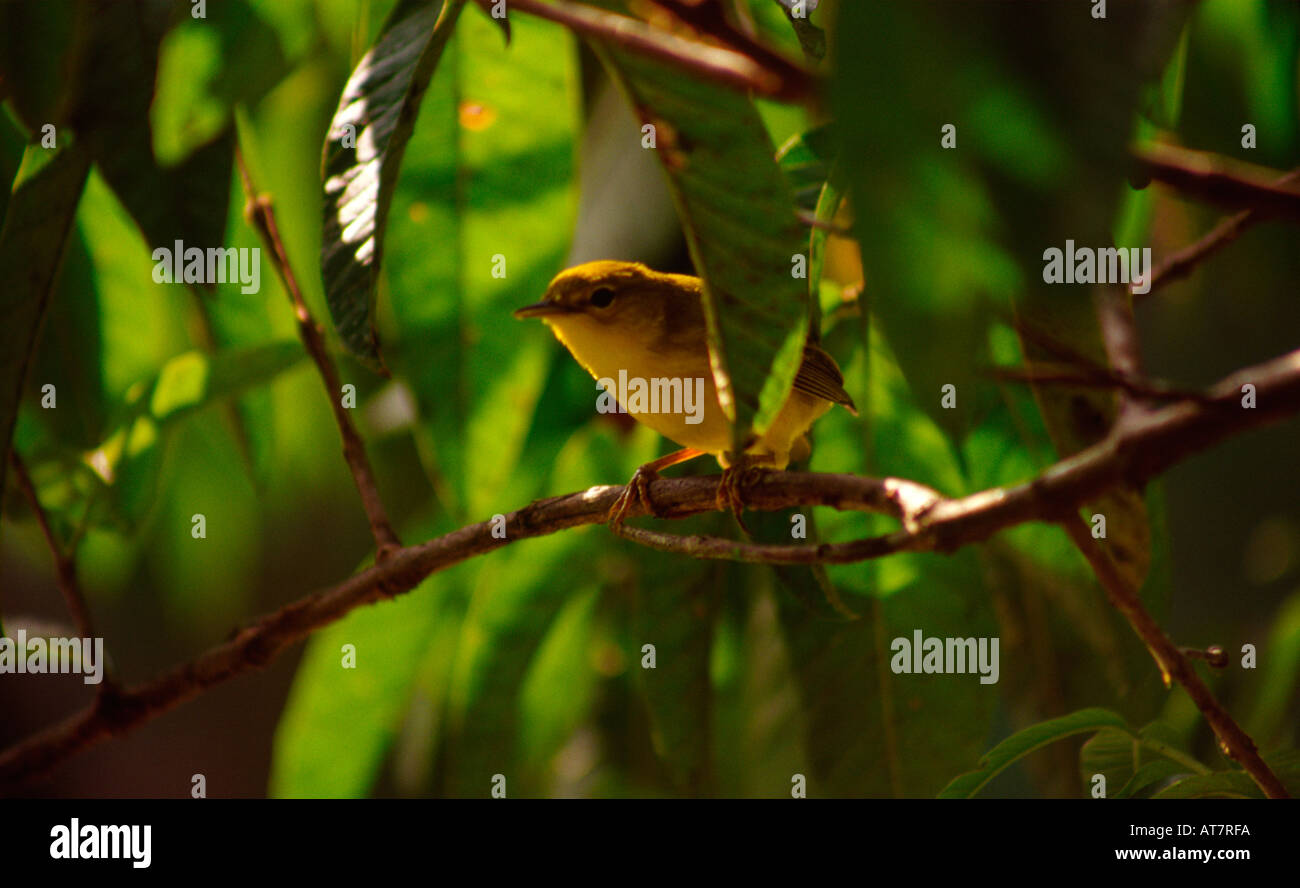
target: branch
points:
(1132, 454)
(1173, 664)
(65, 562)
(1179, 265)
(727, 67)
(261, 215)
(1219, 180)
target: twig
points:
(1140, 388)
(1220, 180)
(724, 66)
(1132, 454)
(1179, 265)
(261, 215)
(65, 562)
(1173, 664)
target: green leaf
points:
(127, 461)
(339, 723)
(737, 211)
(32, 66)
(114, 62)
(1219, 785)
(564, 660)
(363, 155)
(1272, 717)
(806, 161)
(490, 172)
(37, 222)
(1022, 743)
(676, 610)
(1130, 762)
(869, 731)
(1237, 784)
(206, 67)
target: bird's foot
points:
(731, 488)
(637, 489)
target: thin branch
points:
(65, 562)
(1132, 454)
(1140, 388)
(723, 66)
(261, 215)
(1173, 664)
(1219, 180)
(1179, 265)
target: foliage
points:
(469, 154)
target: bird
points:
(624, 320)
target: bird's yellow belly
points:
(627, 365)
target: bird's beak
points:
(542, 310)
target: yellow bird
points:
(623, 321)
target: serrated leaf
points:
(37, 222)
(363, 156)
(1022, 743)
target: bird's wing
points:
(820, 377)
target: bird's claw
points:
(731, 488)
(637, 489)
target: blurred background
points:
(527, 662)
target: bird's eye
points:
(601, 297)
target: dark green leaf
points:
(37, 222)
(1021, 744)
(363, 155)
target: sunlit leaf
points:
(363, 156)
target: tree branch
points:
(261, 215)
(1131, 454)
(1179, 265)
(65, 562)
(727, 67)
(1173, 664)
(1219, 180)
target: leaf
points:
(37, 222)
(1022, 743)
(806, 161)
(363, 155)
(1272, 715)
(867, 730)
(1220, 785)
(1237, 784)
(1131, 762)
(205, 68)
(811, 37)
(339, 723)
(114, 62)
(564, 660)
(676, 610)
(490, 173)
(737, 212)
(127, 460)
(31, 67)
